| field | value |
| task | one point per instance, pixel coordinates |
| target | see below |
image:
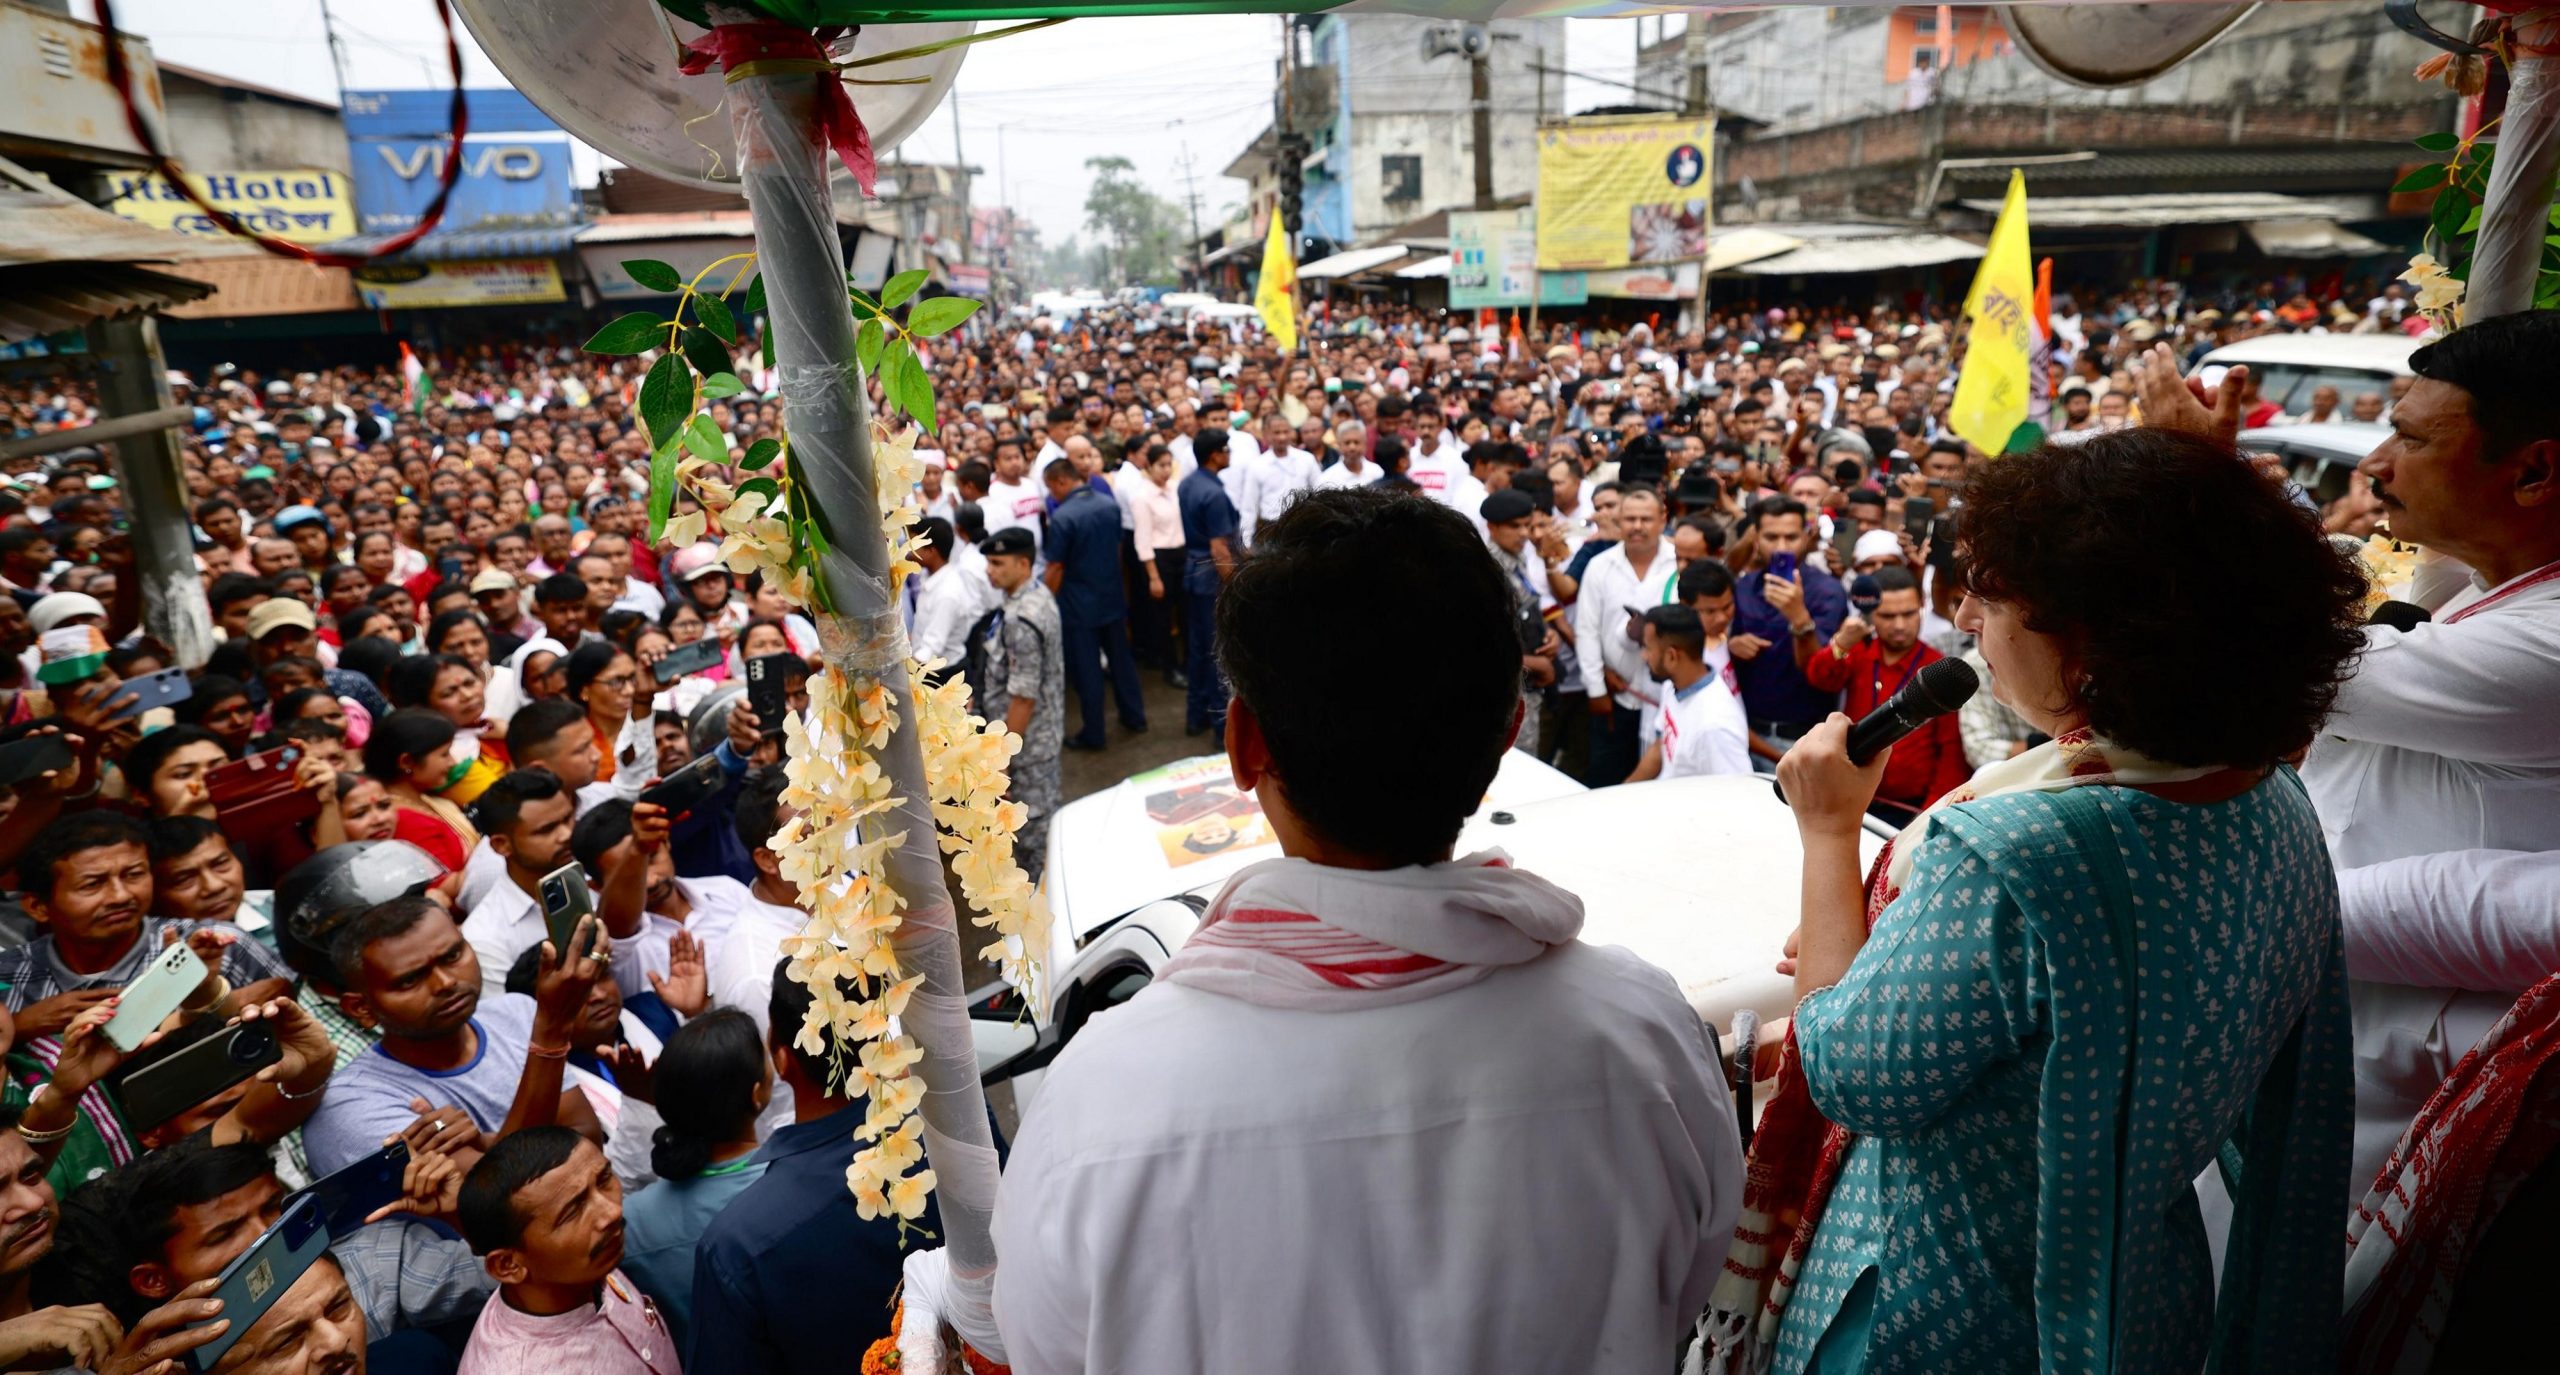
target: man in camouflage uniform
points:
(1025, 679)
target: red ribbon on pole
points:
(762, 40)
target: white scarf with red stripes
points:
(1292, 933)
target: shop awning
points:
(65, 263)
(2312, 239)
(1863, 253)
(1234, 250)
(1354, 260)
(704, 224)
(470, 245)
(2165, 210)
(257, 284)
(1426, 268)
(59, 296)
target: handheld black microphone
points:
(1932, 692)
(2401, 616)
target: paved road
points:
(1125, 753)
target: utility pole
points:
(1191, 198)
(1480, 105)
(960, 171)
(337, 52)
(1694, 41)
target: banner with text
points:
(1619, 191)
(495, 282)
(299, 205)
(1493, 261)
(515, 173)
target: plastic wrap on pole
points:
(783, 169)
(2516, 210)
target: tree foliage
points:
(1141, 231)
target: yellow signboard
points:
(494, 282)
(299, 205)
(1619, 191)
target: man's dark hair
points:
(969, 520)
(759, 811)
(560, 587)
(1062, 470)
(503, 803)
(605, 825)
(487, 1210)
(1893, 578)
(1678, 626)
(173, 837)
(787, 1010)
(233, 588)
(974, 474)
(2500, 364)
(937, 535)
(380, 922)
(2049, 532)
(1766, 507)
(1389, 451)
(1705, 578)
(536, 724)
(1208, 444)
(210, 505)
(65, 836)
(185, 1175)
(1322, 604)
(149, 754)
(1710, 530)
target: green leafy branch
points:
(2460, 180)
(886, 349)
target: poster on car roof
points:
(1197, 812)
(1619, 191)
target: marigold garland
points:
(882, 1358)
(835, 850)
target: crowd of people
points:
(408, 819)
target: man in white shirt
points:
(1704, 730)
(528, 816)
(1060, 425)
(1355, 469)
(2442, 740)
(1285, 471)
(950, 600)
(1013, 499)
(1624, 580)
(1304, 1125)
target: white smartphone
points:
(148, 1000)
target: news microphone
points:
(2401, 616)
(1932, 692)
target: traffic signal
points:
(1293, 156)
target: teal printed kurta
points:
(1977, 1048)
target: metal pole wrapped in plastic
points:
(2515, 210)
(783, 168)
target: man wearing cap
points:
(284, 628)
(1875, 549)
(1024, 685)
(501, 604)
(705, 582)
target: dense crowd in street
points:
(457, 693)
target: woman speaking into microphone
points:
(2072, 981)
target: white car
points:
(2290, 367)
(2322, 458)
(1697, 875)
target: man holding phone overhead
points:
(501, 1058)
(526, 818)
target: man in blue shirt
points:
(1093, 609)
(1771, 616)
(789, 1279)
(1209, 556)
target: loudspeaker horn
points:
(607, 70)
(2115, 45)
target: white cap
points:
(1876, 544)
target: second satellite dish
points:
(607, 70)
(2115, 45)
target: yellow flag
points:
(1991, 392)
(1276, 296)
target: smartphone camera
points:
(253, 1044)
(555, 895)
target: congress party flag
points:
(413, 380)
(1993, 389)
(1276, 296)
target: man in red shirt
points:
(1873, 662)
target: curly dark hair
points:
(2207, 618)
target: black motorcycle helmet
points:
(326, 890)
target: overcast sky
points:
(1031, 108)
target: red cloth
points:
(732, 45)
(430, 834)
(1926, 764)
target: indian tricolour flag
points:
(413, 376)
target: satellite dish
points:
(606, 69)
(2115, 45)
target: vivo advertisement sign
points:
(515, 162)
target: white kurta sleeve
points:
(2453, 690)
(1587, 617)
(2484, 921)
